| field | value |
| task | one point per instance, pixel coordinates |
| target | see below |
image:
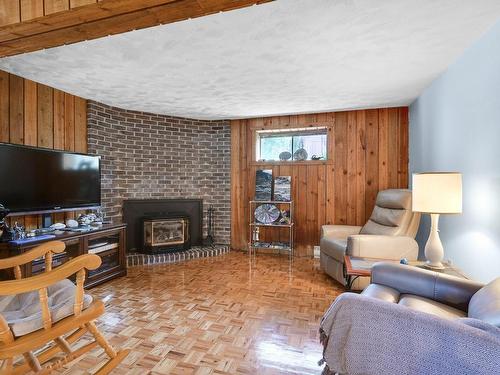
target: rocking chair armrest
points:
(35, 253)
(87, 261)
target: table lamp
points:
(436, 193)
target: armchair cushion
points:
(415, 302)
(431, 307)
(339, 231)
(392, 215)
(485, 304)
(385, 247)
(387, 216)
(23, 311)
(334, 247)
(381, 292)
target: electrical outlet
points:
(316, 251)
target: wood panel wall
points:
(37, 115)
(15, 11)
(31, 25)
(368, 152)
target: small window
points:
(291, 144)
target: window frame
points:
(255, 129)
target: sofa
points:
(414, 321)
(389, 234)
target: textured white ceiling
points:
(289, 56)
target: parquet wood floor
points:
(222, 315)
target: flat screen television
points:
(43, 180)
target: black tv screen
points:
(35, 179)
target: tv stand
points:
(107, 241)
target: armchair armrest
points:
(339, 231)
(450, 290)
(386, 247)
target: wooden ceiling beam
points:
(105, 18)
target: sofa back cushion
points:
(485, 303)
(392, 215)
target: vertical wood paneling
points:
(392, 144)
(37, 115)
(79, 3)
(340, 162)
(45, 97)
(311, 235)
(59, 136)
(301, 209)
(383, 148)
(31, 9)
(368, 151)
(321, 198)
(69, 122)
(16, 110)
(54, 6)
(371, 160)
(30, 113)
(360, 166)
(9, 12)
(4, 107)
(403, 161)
(330, 193)
(351, 166)
(80, 125)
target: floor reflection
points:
(289, 359)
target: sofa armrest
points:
(339, 231)
(450, 290)
(385, 247)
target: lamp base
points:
(434, 252)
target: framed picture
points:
(263, 184)
(282, 188)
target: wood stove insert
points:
(166, 234)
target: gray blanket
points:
(363, 335)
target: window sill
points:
(293, 162)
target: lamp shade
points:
(437, 192)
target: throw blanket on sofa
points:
(363, 335)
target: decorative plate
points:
(267, 213)
(300, 154)
(285, 155)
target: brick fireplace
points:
(151, 156)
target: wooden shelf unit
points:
(254, 244)
(107, 241)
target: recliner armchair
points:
(389, 234)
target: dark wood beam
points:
(105, 18)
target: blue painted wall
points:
(455, 126)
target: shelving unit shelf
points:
(255, 242)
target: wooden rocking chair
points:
(66, 315)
